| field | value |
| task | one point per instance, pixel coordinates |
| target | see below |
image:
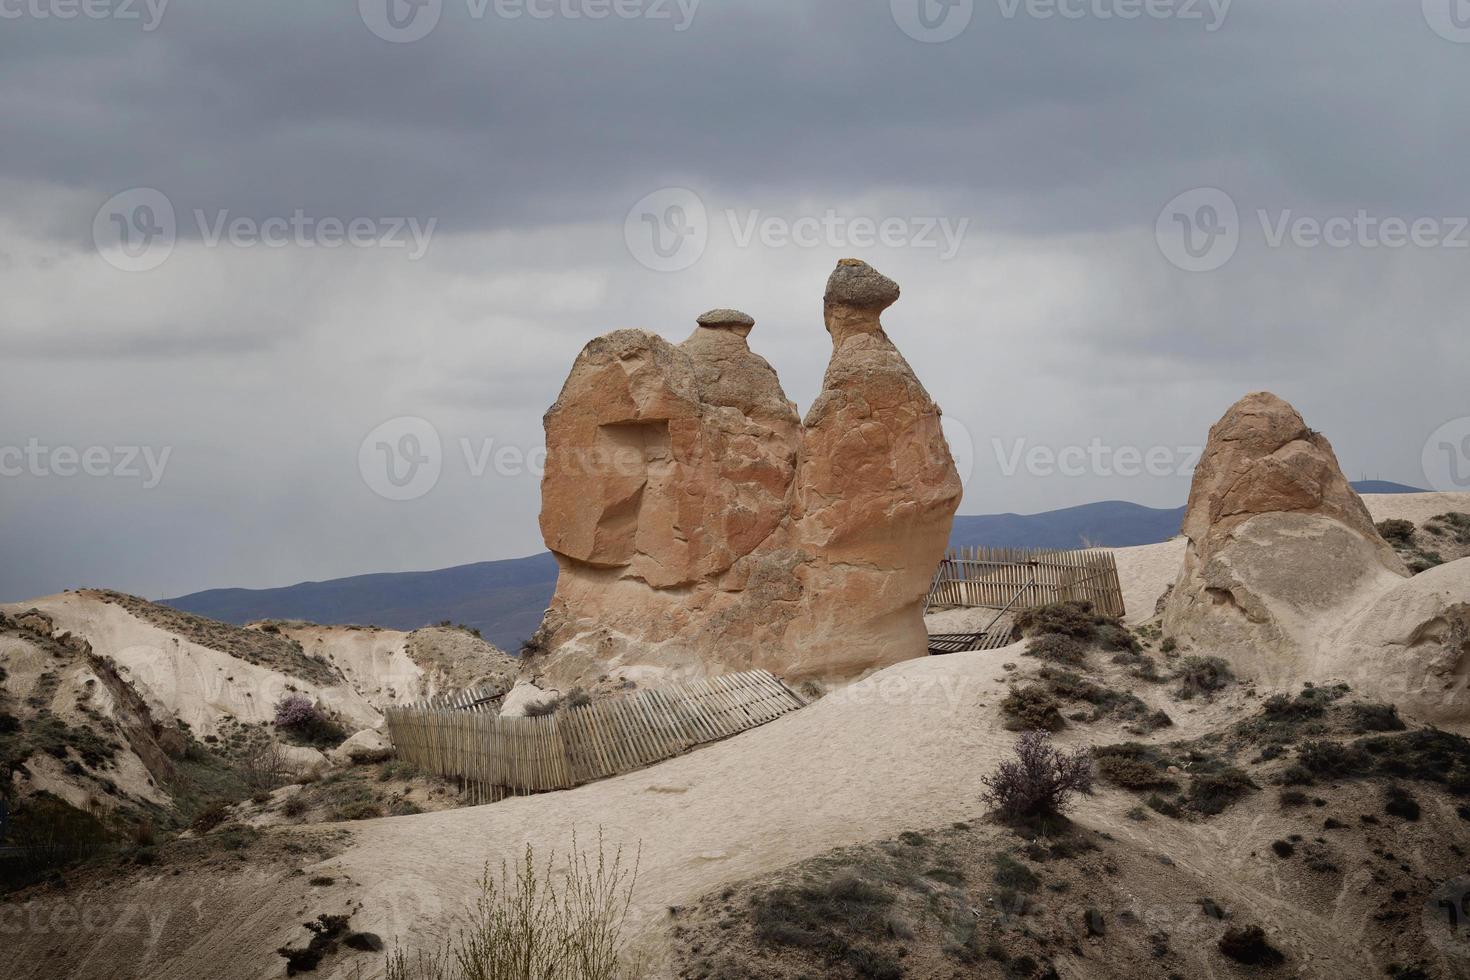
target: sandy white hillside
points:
(180, 678)
(1146, 571)
(905, 749)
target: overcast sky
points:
(205, 381)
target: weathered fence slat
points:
(455, 736)
(1015, 578)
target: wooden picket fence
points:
(481, 699)
(1018, 578)
(495, 757)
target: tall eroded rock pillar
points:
(700, 525)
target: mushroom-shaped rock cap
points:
(727, 319)
(857, 284)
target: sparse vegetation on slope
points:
(259, 647)
(561, 921)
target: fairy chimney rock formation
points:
(698, 523)
(1277, 538)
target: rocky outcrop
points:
(1261, 458)
(700, 524)
(1279, 544)
(1410, 647)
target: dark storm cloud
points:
(1038, 125)
(1058, 139)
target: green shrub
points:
(1012, 874)
(1399, 802)
(1074, 619)
(1113, 636)
(1397, 531)
(1212, 793)
(1333, 760)
(538, 920)
(1376, 718)
(357, 810)
(1133, 766)
(1167, 807)
(211, 816)
(48, 834)
(1032, 707)
(1201, 677)
(1058, 649)
(1248, 945)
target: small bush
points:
(1292, 797)
(538, 920)
(298, 716)
(1113, 636)
(1397, 531)
(1333, 760)
(1283, 849)
(1040, 781)
(1133, 766)
(1212, 793)
(294, 807)
(1168, 808)
(1248, 945)
(1201, 677)
(326, 934)
(540, 709)
(1376, 718)
(213, 814)
(1032, 707)
(1013, 875)
(1170, 645)
(1399, 802)
(357, 810)
(1074, 619)
(1058, 649)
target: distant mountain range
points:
(504, 600)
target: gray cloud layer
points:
(1057, 321)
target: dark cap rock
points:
(855, 283)
(727, 319)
